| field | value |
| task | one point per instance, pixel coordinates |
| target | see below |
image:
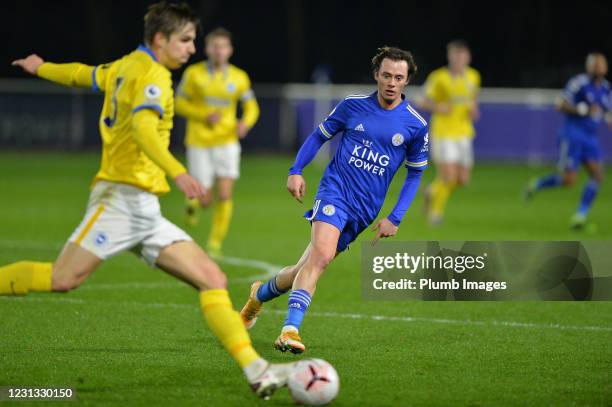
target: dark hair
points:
(458, 44)
(218, 32)
(167, 18)
(394, 54)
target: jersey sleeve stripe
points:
(325, 132)
(418, 116)
(157, 108)
(418, 164)
(94, 84)
(248, 95)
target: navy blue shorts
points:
(327, 212)
(576, 151)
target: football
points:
(313, 382)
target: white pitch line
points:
(269, 271)
(385, 318)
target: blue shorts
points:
(349, 227)
(578, 150)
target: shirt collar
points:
(148, 50)
(211, 70)
(374, 98)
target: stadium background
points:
(131, 336)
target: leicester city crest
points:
(329, 210)
(397, 139)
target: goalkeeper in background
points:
(123, 212)
(208, 97)
(451, 95)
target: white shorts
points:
(208, 164)
(453, 151)
(121, 217)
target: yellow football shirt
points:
(203, 91)
(460, 92)
(134, 82)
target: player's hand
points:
(609, 119)
(243, 129)
(213, 118)
(595, 110)
(30, 64)
(296, 185)
(190, 186)
(384, 228)
(443, 108)
(474, 111)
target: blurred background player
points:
(381, 133)
(451, 95)
(585, 102)
(123, 212)
(208, 97)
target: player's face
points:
(392, 77)
(177, 49)
(597, 66)
(219, 50)
(459, 58)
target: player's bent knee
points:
(64, 280)
(210, 276)
(63, 285)
(225, 196)
(205, 201)
(568, 180)
(321, 259)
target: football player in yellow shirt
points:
(451, 95)
(208, 97)
(123, 212)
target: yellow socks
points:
(222, 216)
(226, 324)
(440, 192)
(24, 276)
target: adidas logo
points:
(360, 127)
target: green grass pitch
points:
(134, 336)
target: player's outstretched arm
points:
(71, 74)
(388, 227)
(609, 119)
(250, 109)
(296, 185)
(29, 64)
(144, 126)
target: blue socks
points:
(588, 195)
(269, 291)
(299, 300)
(548, 181)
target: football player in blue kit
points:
(586, 102)
(381, 132)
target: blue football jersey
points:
(375, 143)
(583, 89)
